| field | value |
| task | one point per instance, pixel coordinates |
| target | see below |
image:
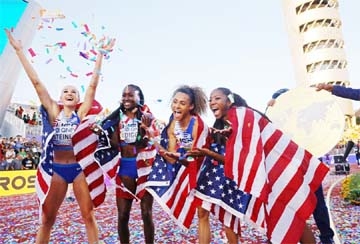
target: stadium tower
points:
(25, 16)
(317, 44)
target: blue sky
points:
(162, 44)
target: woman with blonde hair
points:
(62, 168)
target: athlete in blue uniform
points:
(64, 169)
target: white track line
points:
(332, 225)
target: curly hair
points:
(197, 97)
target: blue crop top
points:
(64, 128)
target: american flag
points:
(170, 184)
(44, 171)
(280, 176)
(219, 194)
(85, 143)
(223, 215)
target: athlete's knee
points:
(89, 218)
(123, 216)
(146, 212)
(48, 219)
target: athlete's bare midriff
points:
(64, 157)
(128, 151)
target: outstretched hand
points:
(146, 119)
(105, 44)
(14, 43)
(225, 132)
(145, 124)
(324, 86)
(198, 152)
(170, 157)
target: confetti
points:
(32, 53)
(84, 55)
(74, 24)
(61, 44)
(86, 28)
(93, 52)
(86, 46)
(19, 214)
(60, 58)
(84, 34)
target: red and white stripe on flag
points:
(281, 176)
(85, 144)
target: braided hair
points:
(138, 110)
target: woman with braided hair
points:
(127, 128)
(274, 179)
(215, 196)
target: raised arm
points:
(44, 96)
(91, 90)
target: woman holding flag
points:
(59, 165)
(216, 193)
(127, 128)
(279, 177)
(173, 174)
